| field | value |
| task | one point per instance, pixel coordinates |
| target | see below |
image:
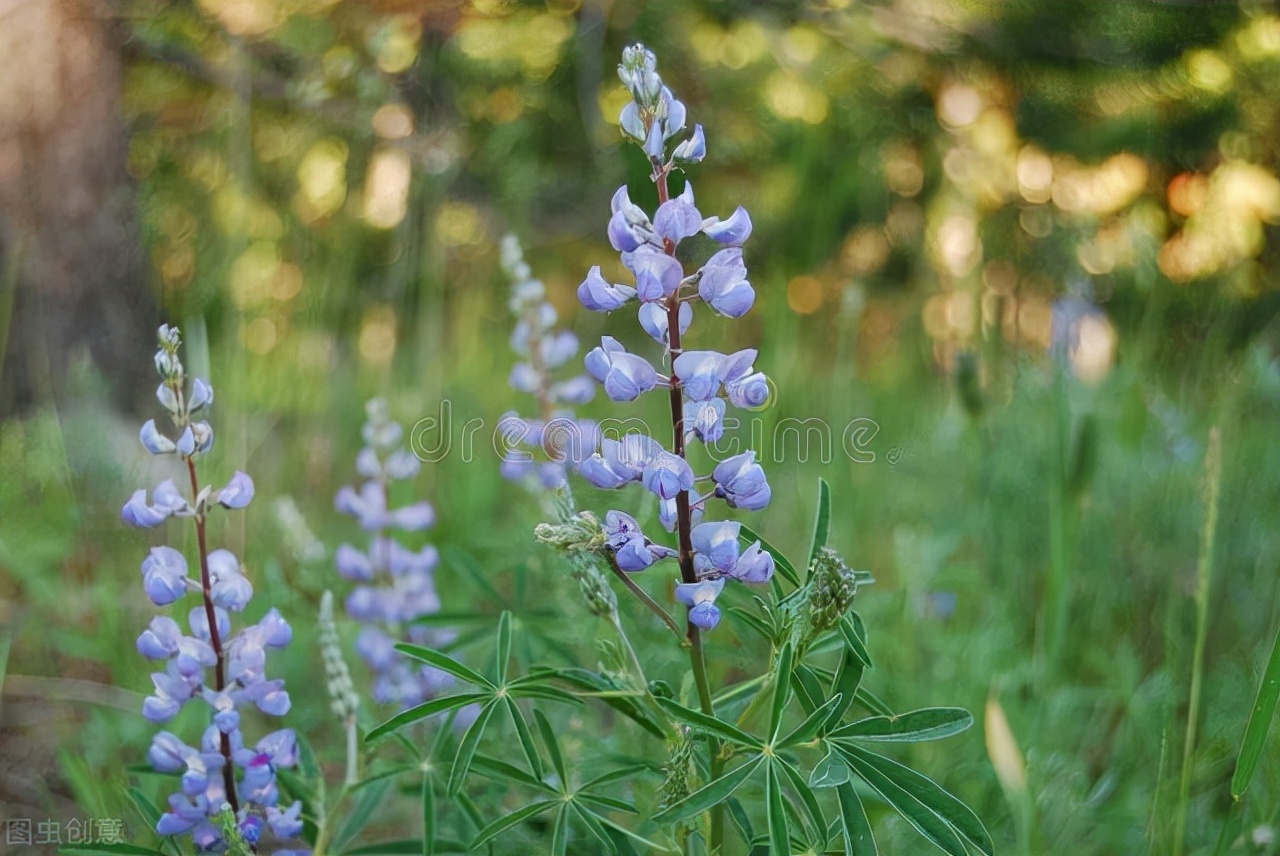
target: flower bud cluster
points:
(395, 585)
(702, 383)
(342, 692)
(541, 448)
(208, 665)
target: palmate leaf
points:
(858, 838)
(424, 710)
(917, 726)
(589, 680)
(560, 832)
(502, 771)
(812, 725)
(445, 663)
(721, 729)
(550, 740)
(936, 814)
(467, 747)
(808, 801)
(505, 822)
(710, 794)
(807, 687)
(524, 735)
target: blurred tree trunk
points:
(72, 275)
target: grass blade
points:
(1255, 733)
(822, 521)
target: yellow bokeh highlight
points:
(534, 40)
(392, 122)
(377, 342)
(1208, 71)
(459, 224)
(791, 97)
(805, 294)
(253, 273)
(386, 187)
(322, 180)
(397, 45)
(261, 335)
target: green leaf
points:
(718, 727)
(808, 730)
(560, 832)
(505, 822)
(503, 771)
(370, 798)
(755, 622)
(830, 772)
(608, 802)
(775, 812)
(422, 711)
(784, 566)
(807, 800)
(123, 849)
(628, 773)
(919, 799)
(503, 653)
(588, 680)
(524, 736)
(593, 826)
(846, 682)
(553, 747)
(407, 847)
(1255, 733)
(627, 833)
(444, 663)
(710, 794)
(428, 815)
(545, 693)
(741, 819)
(807, 687)
(858, 838)
(822, 521)
(781, 690)
(857, 643)
(916, 726)
(733, 693)
(467, 748)
(872, 702)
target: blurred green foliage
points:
(323, 188)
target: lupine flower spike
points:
(395, 585)
(700, 384)
(226, 788)
(540, 449)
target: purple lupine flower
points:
(208, 778)
(704, 380)
(397, 585)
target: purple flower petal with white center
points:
(629, 226)
(598, 360)
(599, 295)
(631, 123)
(699, 373)
(287, 823)
(624, 376)
(673, 123)
(269, 697)
(201, 396)
(376, 648)
(557, 349)
(667, 475)
(160, 639)
(703, 591)
(184, 813)
(654, 144)
(516, 466)
(352, 564)
(723, 284)
(597, 471)
(676, 220)
(705, 419)
(153, 441)
(168, 398)
(238, 492)
(230, 588)
(578, 390)
(619, 528)
(523, 378)
(167, 498)
(733, 232)
(750, 392)
(367, 463)
(667, 514)
(413, 518)
(281, 747)
(402, 464)
(203, 432)
(741, 482)
(634, 555)
(705, 615)
(136, 512)
(168, 754)
(718, 542)
(164, 575)
(657, 274)
(198, 621)
(755, 565)
(187, 443)
(653, 318)
(692, 150)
